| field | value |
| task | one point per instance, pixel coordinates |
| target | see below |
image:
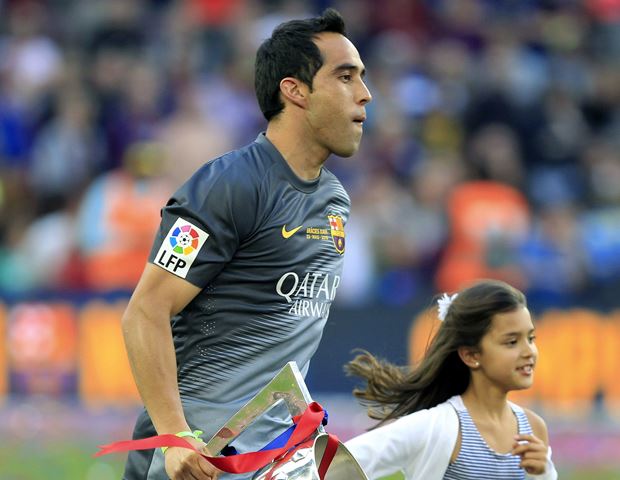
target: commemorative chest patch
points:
(180, 247)
(337, 231)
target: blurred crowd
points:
(492, 146)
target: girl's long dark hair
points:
(392, 392)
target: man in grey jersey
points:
(248, 256)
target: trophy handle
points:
(287, 386)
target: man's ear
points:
(470, 356)
(294, 91)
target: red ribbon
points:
(244, 462)
(328, 455)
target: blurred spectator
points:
(494, 155)
(492, 140)
(130, 93)
(15, 276)
(118, 217)
(600, 237)
(67, 153)
(192, 136)
(488, 222)
(118, 28)
(29, 59)
(43, 255)
(553, 257)
(602, 162)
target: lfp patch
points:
(180, 247)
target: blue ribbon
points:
(281, 439)
(277, 442)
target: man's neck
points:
(304, 157)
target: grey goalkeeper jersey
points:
(267, 250)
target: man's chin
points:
(348, 151)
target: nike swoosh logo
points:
(289, 233)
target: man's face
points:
(336, 106)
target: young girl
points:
(452, 417)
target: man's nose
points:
(365, 96)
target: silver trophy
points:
(303, 462)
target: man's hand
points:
(533, 453)
(185, 464)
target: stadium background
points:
(106, 106)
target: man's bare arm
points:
(148, 339)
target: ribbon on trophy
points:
(293, 454)
(305, 426)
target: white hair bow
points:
(444, 305)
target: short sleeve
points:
(203, 224)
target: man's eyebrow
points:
(349, 66)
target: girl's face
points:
(507, 352)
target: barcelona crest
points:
(337, 228)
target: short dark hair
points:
(291, 52)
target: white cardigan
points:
(419, 445)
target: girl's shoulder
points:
(539, 427)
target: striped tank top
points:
(476, 460)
